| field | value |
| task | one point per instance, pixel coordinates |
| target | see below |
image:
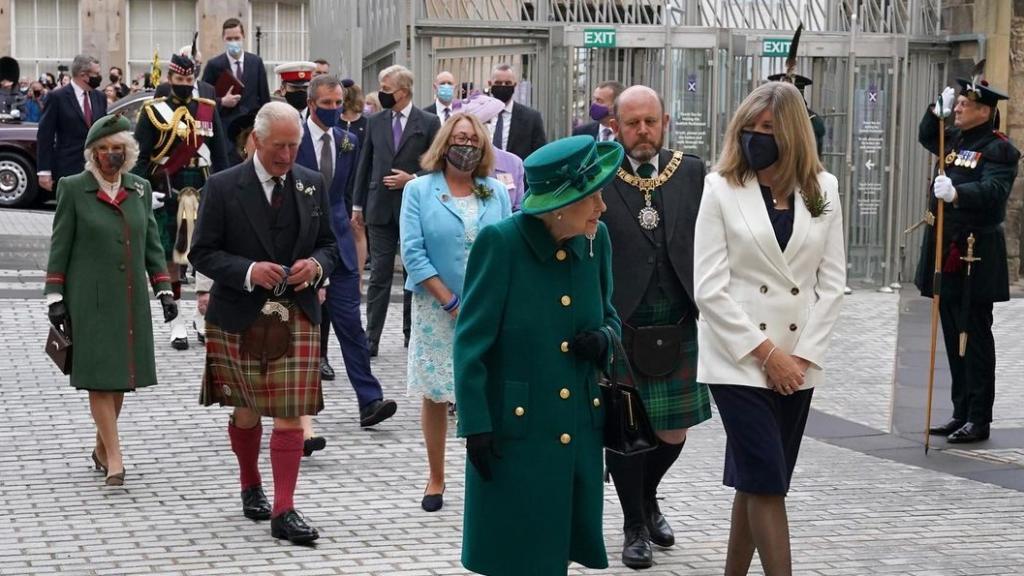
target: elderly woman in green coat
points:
(531, 337)
(104, 245)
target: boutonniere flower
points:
(307, 190)
(482, 191)
(140, 189)
(346, 145)
(816, 206)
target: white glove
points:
(943, 189)
(158, 199)
(948, 98)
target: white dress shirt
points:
(505, 125)
(233, 62)
(316, 135)
(441, 107)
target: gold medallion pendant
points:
(648, 216)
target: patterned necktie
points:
(447, 114)
(277, 196)
(327, 159)
(645, 170)
(238, 69)
(396, 129)
(498, 128)
(87, 109)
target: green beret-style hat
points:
(106, 126)
(568, 170)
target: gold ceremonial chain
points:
(181, 125)
(647, 185)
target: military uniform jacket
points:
(524, 299)
(148, 135)
(982, 164)
(101, 252)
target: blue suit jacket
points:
(340, 193)
(60, 138)
(433, 235)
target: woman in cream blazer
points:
(769, 272)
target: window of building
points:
(279, 32)
(164, 25)
(44, 35)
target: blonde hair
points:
(798, 165)
(131, 151)
(433, 159)
(402, 76)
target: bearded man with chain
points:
(651, 216)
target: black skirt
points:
(763, 432)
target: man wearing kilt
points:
(181, 143)
(264, 237)
(652, 211)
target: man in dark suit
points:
(651, 218)
(333, 152)
(519, 129)
(264, 237)
(69, 112)
(601, 112)
(244, 66)
(396, 138)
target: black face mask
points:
(503, 93)
(114, 160)
(95, 81)
(181, 91)
(387, 100)
(115, 79)
(298, 100)
(760, 150)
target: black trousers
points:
(383, 241)
(974, 375)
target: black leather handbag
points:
(58, 347)
(627, 428)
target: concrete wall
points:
(5, 26)
(102, 23)
(211, 14)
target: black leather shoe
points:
(968, 433)
(373, 349)
(292, 526)
(433, 502)
(661, 533)
(377, 412)
(254, 504)
(313, 444)
(326, 372)
(179, 343)
(946, 429)
(636, 551)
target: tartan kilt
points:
(291, 386)
(677, 400)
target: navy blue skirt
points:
(763, 432)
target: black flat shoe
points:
(292, 526)
(97, 464)
(659, 529)
(115, 479)
(946, 429)
(179, 343)
(433, 502)
(326, 372)
(636, 551)
(969, 433)
(377, 412)
(313, 444)
(254, 504)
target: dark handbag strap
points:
(617, 352)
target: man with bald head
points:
(444, 96)
(651, 216)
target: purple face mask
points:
(598, 112)
(367, 110)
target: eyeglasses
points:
(462, 140)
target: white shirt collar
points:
(653, 162)
(261, 172)
(316, 133)
(509, 104)
(405, 111)
(78, 91)
(440, 106)
(109, 188)
(232, 59)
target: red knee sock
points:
(285, 455)
(245, 443)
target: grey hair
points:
(82, 63)
(402, 75)
(327, 81)
(131, 151)
(274, 112)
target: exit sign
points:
(599, 38)
(775, 47)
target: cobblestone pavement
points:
(851, 514)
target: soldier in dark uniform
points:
(980, 166)
(181, 143)
(817, 123)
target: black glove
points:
(170, 307)
(590, 345)
(58, 314)
(479, 450)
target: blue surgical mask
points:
(234, 48)
(445, 93)
(328, 117)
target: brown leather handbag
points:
(58, 347)
(269, 337)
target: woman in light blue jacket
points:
(442, 213)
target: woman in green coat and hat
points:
(104, 245)
(532, 334)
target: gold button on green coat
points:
(563, 393)
(520, 411)
(543, 506)
(565, 438)
(566, 300)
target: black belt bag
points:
(655, 351)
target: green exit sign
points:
(599, 38)
(775, 47)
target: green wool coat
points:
(524, 299)
(101, 253)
